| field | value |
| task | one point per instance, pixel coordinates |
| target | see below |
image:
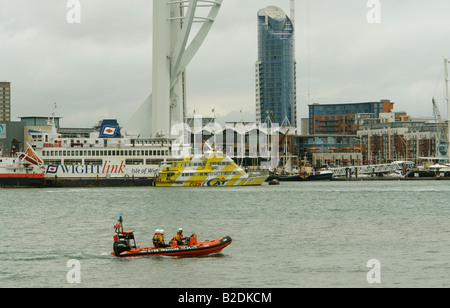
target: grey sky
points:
(102, 67)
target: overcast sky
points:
(102, 67)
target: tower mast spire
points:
(293, 12)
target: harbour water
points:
(296, 235)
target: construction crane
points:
(442, 130)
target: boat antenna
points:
(52, 120)
(119, 225)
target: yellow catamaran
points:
(211, 169)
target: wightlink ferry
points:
(211, 169)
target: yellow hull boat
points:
(212, 169)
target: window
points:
(134, 161)
(72, 162)
(55, 162)
(94, 162)
(153, 161)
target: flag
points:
(109, 131)
(52, 169)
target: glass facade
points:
(340, 118)
(276, 68)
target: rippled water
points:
(294, 235)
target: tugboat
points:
(125, 246)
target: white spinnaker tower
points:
(174, 46)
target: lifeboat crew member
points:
(179, 237)
(155, 238)
(158, 239)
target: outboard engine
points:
(120, 246)
(122, 239)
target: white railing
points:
(371, 169)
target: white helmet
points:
(180, 230)
(161, 231)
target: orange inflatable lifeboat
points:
(125, 246)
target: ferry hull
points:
(22, 180)
(251, 181)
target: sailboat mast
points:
(448, 102)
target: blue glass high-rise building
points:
(276, 90)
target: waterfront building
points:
(332, 150)
(415, 140)
(11, 137)
(276, 92)
(341, 118)
(382, 138)
(5, 102)
(377, 133)
(304, 126)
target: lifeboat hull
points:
(200, 249)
